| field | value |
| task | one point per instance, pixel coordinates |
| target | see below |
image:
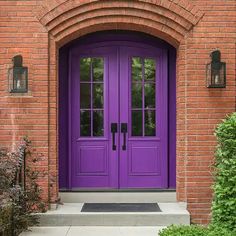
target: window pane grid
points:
(92, 100)
(96, 109)
(89, 82)
(137, 82)
(138, 109)
(143, 87)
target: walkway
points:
(93, 231)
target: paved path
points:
(93, 231)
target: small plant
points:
(224, 202)
(19, 191)
(195, 230)
(186, 230)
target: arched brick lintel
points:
(81, 30)
(169, 19)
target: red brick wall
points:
(36, 29)
(204, 108)
(21, 33)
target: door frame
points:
(109, 40)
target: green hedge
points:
(224, 202)
(195, 230)
(185, 230)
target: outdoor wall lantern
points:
(216, 71)
(18, 76)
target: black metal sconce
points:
(18, 76)
(216, 71)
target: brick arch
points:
(169, 19)
(66, 20)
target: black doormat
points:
(121, 207)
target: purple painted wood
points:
(88, 46)
(93, 162)
(172, 118)
(144, 163)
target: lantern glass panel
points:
(216, 77)
(18, 79)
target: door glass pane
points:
(136, 69)
(97, 95)
(91, 96)
(97, 69)
(149, 69)
(137, 123)
(85, 123)
(98, 123)
(149, 95)
(85, 95)
(136, 95)
(150, 123)
(85, 64)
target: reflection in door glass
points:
(98, 123)
(97, 95)
(149, 90)
(150, 127)
(136, 95)
(137, 123)
(85, 95)
(149, 69)
(91, 97)
(85, 65)
(85, 123)
(143, 96)
(136, 69)
(98, 69)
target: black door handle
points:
(124, 129)
(114, 131)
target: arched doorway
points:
(117, 112)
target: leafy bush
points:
(186, 230)
(214, 230)
(18, 201)
(224, 202)
(195, 230)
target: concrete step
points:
(118, 197)
(70, 214)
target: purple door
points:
(118, 117)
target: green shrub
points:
(219, 231)
(186, 230)
(195, 230)
(224, 202)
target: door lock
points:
(124, 130)
(114, 129)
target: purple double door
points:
(118, 116)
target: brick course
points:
(36, 29)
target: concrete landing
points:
(118, 197)
(70, 214)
